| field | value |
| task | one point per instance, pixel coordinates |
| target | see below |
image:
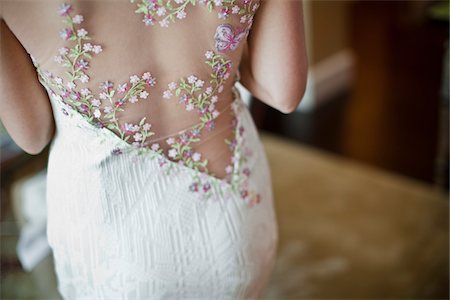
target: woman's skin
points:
(273, 64)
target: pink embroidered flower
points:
(190, 107)
(103, 96)
(95, 102)
(134, 79)
(195, 133)
(209, 54)
(85, 92)
(196, 156)
(78, 19)
(170, 141)
(146, 76)
(82, 32)
(97, 113)
(63, 51)
(71, 85)
(229, 169)
(150, 81)
(82, 64)
(107, 109)
(161, 11)
(172, 86)
(192, 79)
(97, 49)
(215, 114)
(193, 187)
(66, 34)
(58, 80)
(106, 86)
(133, 99)
(206, 187)
(87, 47)
(122, 88)
(173, 153)
(143, 95)
(155, 147)
(181, 14)
(84, 78)
(147, 127)
(164, 23)
(167, 94)
(64, 9)
(148, 20)
(58, 59)
(223, 14)
(137, 137)
(199, 83)
(227, 38)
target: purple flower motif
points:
(226, 37)
(206, 187)
(66, 34)
(232, 145)
(64, 9)
(148, 20)
(246, 172)
(82, 64)
(241, 130)
(122, 88)
(187, 153)
(84, 108)
(99, 125)
(184, 139)
(105, 86)
(244, 193)
(223, 14)
(193, 187)
(117, 151)
(210, 125)
(184, 99)
(75, 96)
(162, 162)
(195, 133)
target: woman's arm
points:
(25, 110)
(274, 65)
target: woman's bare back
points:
(172, 65)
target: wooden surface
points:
(348, 230)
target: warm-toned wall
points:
(329, 31)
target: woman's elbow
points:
(291, 95)
(34, 143)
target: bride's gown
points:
(158, 185)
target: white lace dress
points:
(127, 221)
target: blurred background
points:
(360, 170)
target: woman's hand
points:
(274, 66)
(25, 109)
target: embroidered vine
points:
(102, 109)
(166, 12)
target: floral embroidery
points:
(101, 109)
(227, 39)
(192, 93)
(168, 11)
